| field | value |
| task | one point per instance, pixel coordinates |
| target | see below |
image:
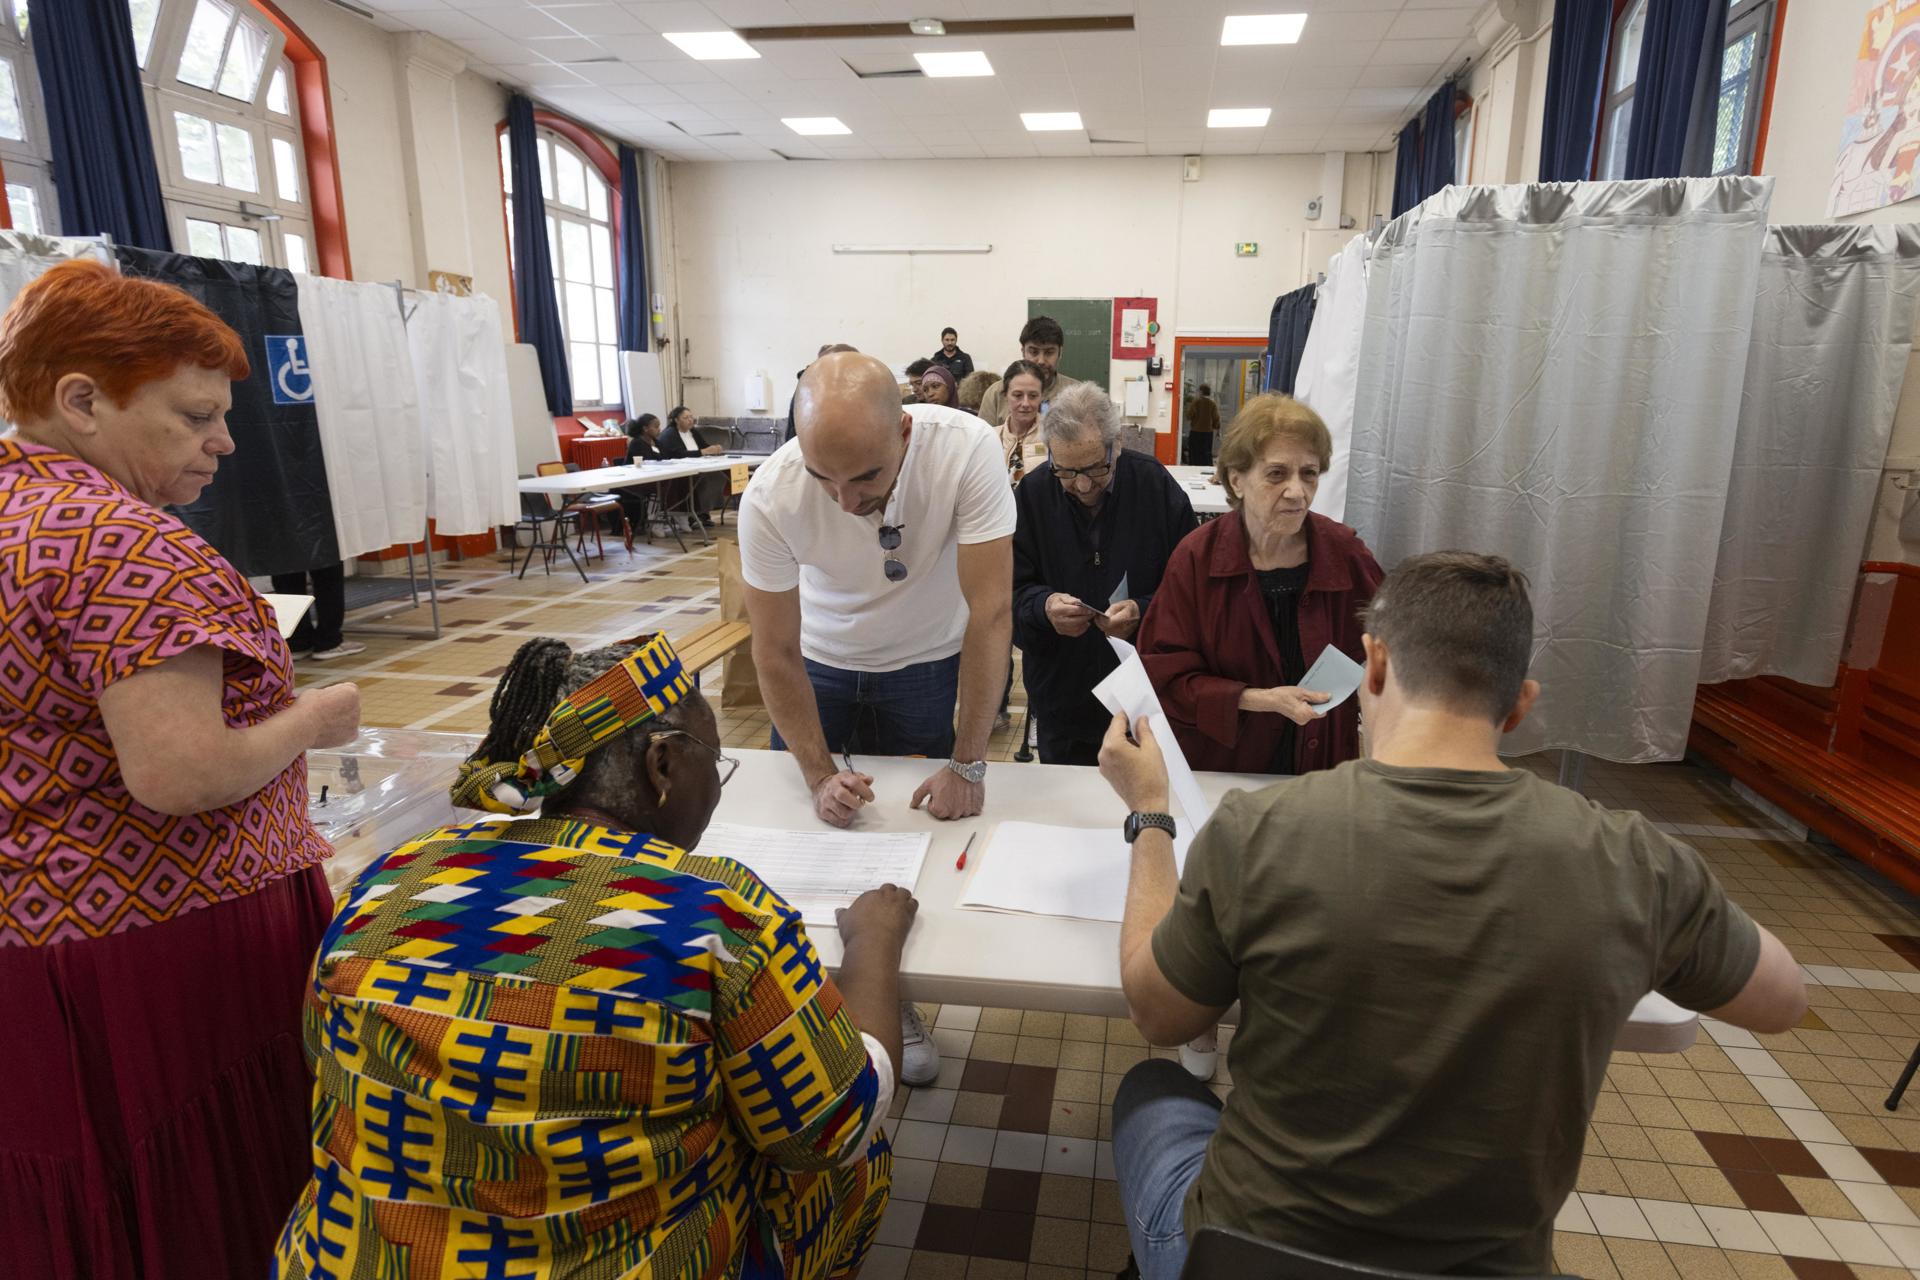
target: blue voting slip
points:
(1334, 674)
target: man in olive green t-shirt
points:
(1432, 953)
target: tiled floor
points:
(1748, 1156)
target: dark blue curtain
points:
(1287, 327)
(535, 306)
(1436, 140)
(1676, 98)
(97, 121)
(1576, 78)
(636, 308)
(1406, 169)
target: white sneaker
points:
(345, 649)
(919, 1055)
(1200, 1055)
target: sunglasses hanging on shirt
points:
(894, 567)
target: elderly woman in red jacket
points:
(1250, 600)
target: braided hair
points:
(525, 697)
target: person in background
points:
(163, 890)
(318, 636)
(1251, 600)
(643, 436)
(1041, 343)
(972, 387)
(1433, 954)
(643, 439)
(910, 389)
(938, 387)
(951, 357)
(1202, 420)
(1094, 519)
(705, 1101)
(702, 494)
(1021, 441)
(877, 553)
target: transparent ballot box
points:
(380, 790)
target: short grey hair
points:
(1080, 409)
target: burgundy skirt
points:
(154, 1096)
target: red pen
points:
(960, 863)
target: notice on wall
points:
(1133, 328)
(1880, 136)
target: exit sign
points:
(1246, 249)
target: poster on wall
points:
(1880, 137)
(1132, 331)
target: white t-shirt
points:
(952, 490)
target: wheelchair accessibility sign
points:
(287, 368)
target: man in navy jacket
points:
(1094, 518)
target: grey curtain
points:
(1553, 374)
(1832, 332)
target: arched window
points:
(226, 126)
(580, 238)
(25, 151)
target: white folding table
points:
(953, 955)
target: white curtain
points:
(1553, 373)
(1832, 333)
(460, 367)
(368, 412)
(24, 256)
(1329, 372)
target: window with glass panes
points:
(226, 130)
(580, 241)
(1743, 67)
(25, 150)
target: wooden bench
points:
(710, 642)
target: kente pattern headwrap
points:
(645, 684)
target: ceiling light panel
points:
(1050, 121)
(1263, 28)
(1238, 117)
(712, 46)
(970, 63)
(815, 126)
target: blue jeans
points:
(1162, 1121)
(908, 712)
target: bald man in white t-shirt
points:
(877, 551)
(877, 548)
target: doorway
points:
(1230, 370)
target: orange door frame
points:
(1166, 445)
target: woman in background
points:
(160, 884)
(938, 387)
(1020, 440)
(1250, 600)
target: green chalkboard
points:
(1088, 323)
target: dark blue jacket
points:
(1143, 519)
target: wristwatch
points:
(974, 771)
(1138, 822)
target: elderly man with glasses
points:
(1097, 524)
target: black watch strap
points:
(1138, 822)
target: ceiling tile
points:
(754, 13)
(1437, 54)
(568, 48)
(1344, 24)
(524, 23)
(1431, 24)
(597, 19)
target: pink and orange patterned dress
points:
(153, 1097)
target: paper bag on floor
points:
(740, 689)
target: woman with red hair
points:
(160, 885)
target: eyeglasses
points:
(723, 764)
(1097, 474)
(894, 568)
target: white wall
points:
(760, 288)
(1816, 55)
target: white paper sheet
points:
(1119, 593)
(1080, 872)
(818, 872)
(1129, 690)
(1334, 674)
(287, 611)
